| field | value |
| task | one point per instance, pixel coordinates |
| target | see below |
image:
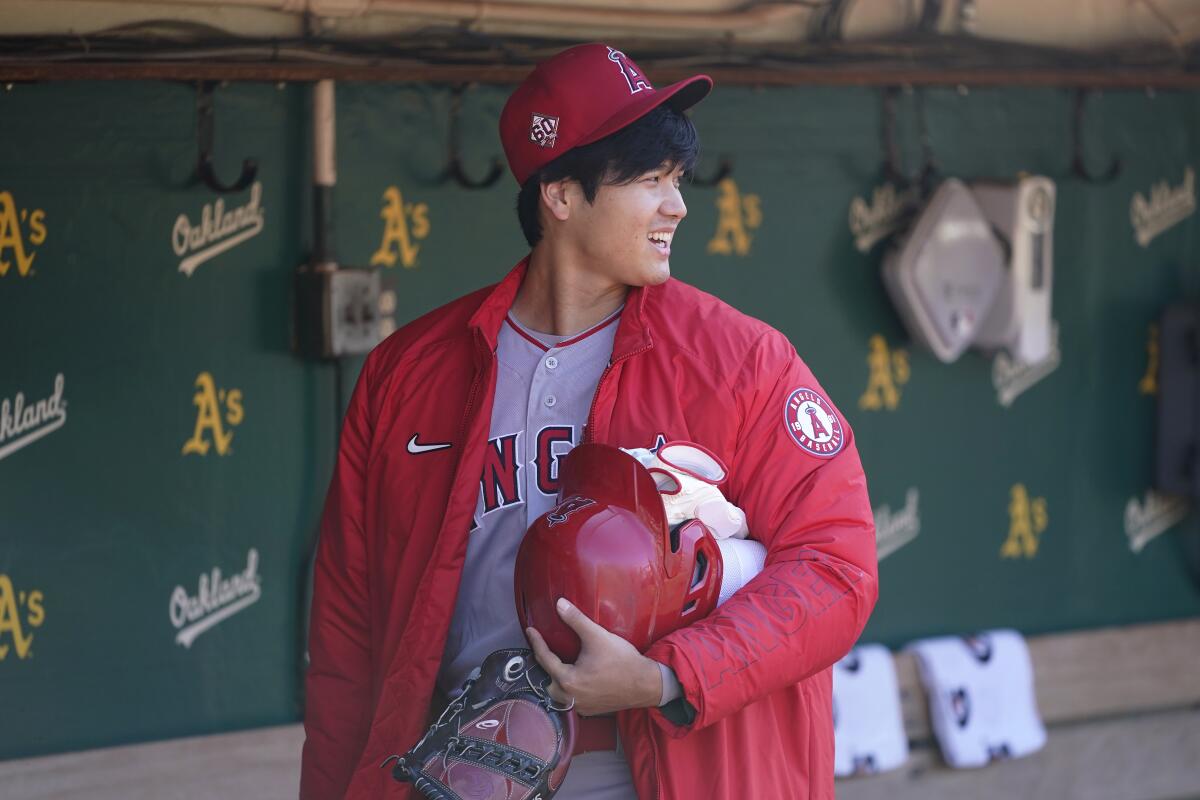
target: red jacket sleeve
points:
(811, 601)
(338, 685)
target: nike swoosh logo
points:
(415, 448)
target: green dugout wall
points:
(163, 456)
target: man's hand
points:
(609, 675)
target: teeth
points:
(661, 236)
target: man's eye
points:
(651, 178)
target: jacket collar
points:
(633, 331)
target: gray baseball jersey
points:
(544, 390)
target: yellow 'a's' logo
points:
(888, 370)
(405, 224)
(738, 214)
(208, 401)
(13, 606)
(1027, 518)
(12, 237)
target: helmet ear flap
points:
(699, 570)
(700, 588)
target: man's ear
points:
(558, 196)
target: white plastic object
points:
(944, 274)
(1020, 318)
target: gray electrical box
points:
(337, 311)
(943, 276)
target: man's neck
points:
(559, 298)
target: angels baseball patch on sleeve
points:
(813, 424)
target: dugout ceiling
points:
(682, 25)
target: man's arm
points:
(338, 686)
(813, 597)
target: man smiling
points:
(588, 339)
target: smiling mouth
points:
(661, 239)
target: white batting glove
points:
(687, 476)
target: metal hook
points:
(891, 153)
(454, 168)
(1078, 168)
(204, 135)
(723, 171)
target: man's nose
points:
(673, 205)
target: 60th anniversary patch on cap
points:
(544, 130)
(813, 424)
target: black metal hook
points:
(1078, 168)
(204, 135)
(891, 153)
(454, 168)
(723, 171)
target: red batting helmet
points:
(606, 547)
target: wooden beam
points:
(263, 764)
(392, 72)
(1149, 757)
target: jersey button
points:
(550, 401)
(551, 363)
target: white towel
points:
(981, 696)
(868, 729)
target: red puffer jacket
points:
(686, 366)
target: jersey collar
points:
(633, 330)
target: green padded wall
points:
(113, 626)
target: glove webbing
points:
(511, 763)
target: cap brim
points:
(680, 96)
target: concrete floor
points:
(262, 764)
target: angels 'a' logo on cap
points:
(544, 130)
(813, 424)
(636, 80)
(566, 508)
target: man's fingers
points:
(545, 656)
(551, 663)
(576, 620)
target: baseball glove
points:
(503, 737)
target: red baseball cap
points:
(580, 96)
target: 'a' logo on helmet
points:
(566, 508)
(636, 80)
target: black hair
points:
(665, 136)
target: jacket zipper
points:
(654, 764)
(587, 435)
(462, 428)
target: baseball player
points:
(450, 449)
